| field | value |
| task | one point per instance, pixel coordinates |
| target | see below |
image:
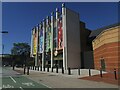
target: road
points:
(39, 79)
(13, 79)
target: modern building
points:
(106, 47)
(63, 40)
(60, 40)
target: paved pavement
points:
(107, 78)
(58, 80)
(13, 79)
(74, 72)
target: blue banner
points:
(41, 41)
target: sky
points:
(18, 18)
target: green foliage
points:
(20, 49)
(20, 53)
(30, 63)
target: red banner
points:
(60, 35)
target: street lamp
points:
(3, 32)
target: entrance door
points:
(103, 64)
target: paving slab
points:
(59, 80)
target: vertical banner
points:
(31, 52)
(55, 37)
(60, 35)
(34, 41)
(41, 40)
(56, 29)
(48, 35)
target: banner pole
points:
(43, 54)
(52, 41)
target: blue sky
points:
(19, 18)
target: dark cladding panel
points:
(73, 39)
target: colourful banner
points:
(60, 36)
(48, 38)
(34, 42)
(41, 41)
(55, 39)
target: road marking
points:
(13, 79)
(45, 85)
(28, 84)
(7, 86)
(21, 88)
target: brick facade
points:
(107, 49)
(110, 54)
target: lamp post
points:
(3, 32)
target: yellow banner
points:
(35, 43)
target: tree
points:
(20, 49)
(21, 53)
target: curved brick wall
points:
(107, 45)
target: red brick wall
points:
(110, 52)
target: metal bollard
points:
(47, 69)
(28, 70)
(89, 72)
(52, 69)
(24, 69)
(31, 67)
(35, 67)
(79, 71)
(38, 68)
(44, 68)
(101, 73)
(56, 69)
(69, 71)
(62, 70)
(13, 67)
(41, 68)
(115, 74)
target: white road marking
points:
(45, 85)
(13, 79)
(7, 86)
(28, 84)
(21, 88)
